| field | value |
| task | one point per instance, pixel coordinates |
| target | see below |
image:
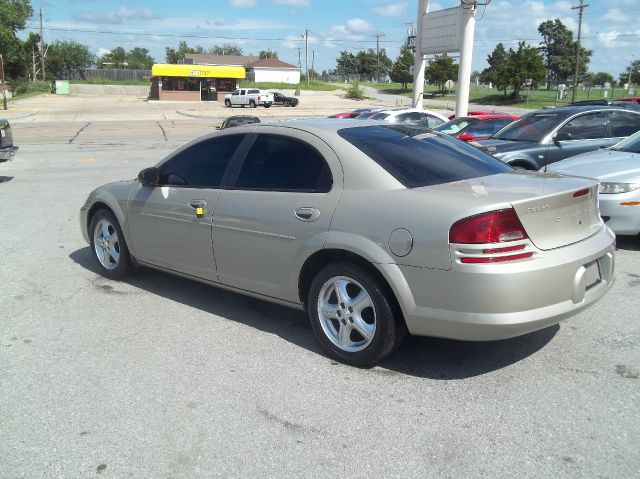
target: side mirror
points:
(559, 136)
(149, 176)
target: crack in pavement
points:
(78, 133)
(164, 133)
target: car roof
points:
(490, 116)
(571, 109)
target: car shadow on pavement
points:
(628, 243)
(432, 358)
(4, 179)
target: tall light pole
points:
(467, 29)
(580, 8)
(630, 72)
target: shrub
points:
(354, 92)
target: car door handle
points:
(307, 214)
(199, 206)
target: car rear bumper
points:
(8, 153)
(623, 220)
(481, 302)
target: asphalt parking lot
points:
(161, 377)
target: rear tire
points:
(352, 316)
(108, 246)
(252, 104)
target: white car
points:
(411, 116)
(618, 169)
(251, 97)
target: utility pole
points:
(420, 58)
(630, 72)
(467, 29)
(299, 64)
(306, 53)
(42, 48)
(580, 8)
(378, 35)
(313, 59)
(4, 91)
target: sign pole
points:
(467, 29)
(420, 58)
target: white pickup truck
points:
(249, 96)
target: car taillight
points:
(492, 227)
(489, 228)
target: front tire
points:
(287, 103)
(227, 103)
(108, 246)
(352, 315)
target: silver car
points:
(375, 229)
(618, 169)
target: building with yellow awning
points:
(194, 82)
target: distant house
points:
(257, 70)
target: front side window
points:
(281, 163)
(486, 127)
(585, 127)
(201, 165)
(416, 158)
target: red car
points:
(480, 113)
(478, 127)
(346, 114)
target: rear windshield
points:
(418, 157)
(379, 116)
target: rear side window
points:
(416, 158)
(254, 91)
(623, 123)
(201, 165)
(282, 163)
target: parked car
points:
(375, 229)
(366, 113)
(7, 148)
(479, 127)
(248, 97)
(479, 112)
(346, 114)
(618, 170)
(553, 134)
(282, 99)
(411, 116)
(238, 120)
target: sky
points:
(609, 27)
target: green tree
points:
(497, 72)
(176, 55)
(225, 49)
(525, 66)
(401, 68)
(440, 70)
(559, 50)
(116, 58)
(346, 64)
(268, 54)
(634, 68)
(139, 59)
(13, 18)
(599, 78)
(66, 58)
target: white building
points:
(257, 70)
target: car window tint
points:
(487, 127)
(416, 158)
(282, 163)
(377, 116)
(434, 121)
(533, 127)
(201, 165)
(624, 123)
(585, 127)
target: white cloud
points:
(243, 3)
(614, 39)
(391, 10)
(102, 51)
(292, 3)
(615, 15)
(116, 17)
